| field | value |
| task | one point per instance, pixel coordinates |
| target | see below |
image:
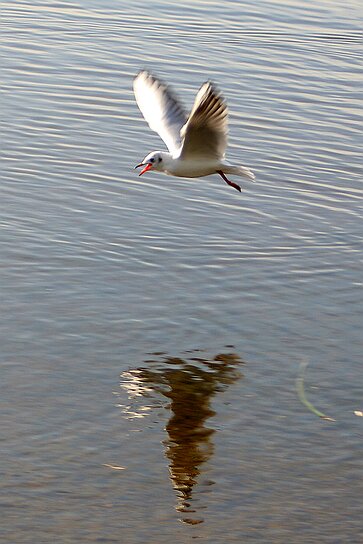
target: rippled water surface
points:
(154, 329)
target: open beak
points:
(147, 167)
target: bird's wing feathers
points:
(205, 133)
(160, 108)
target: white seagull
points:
(196, 143)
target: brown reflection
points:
(190, 385)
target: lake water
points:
(154, 330)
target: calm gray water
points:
(153, 329)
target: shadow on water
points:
(189, 385)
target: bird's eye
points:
(152, 160)
(160, 159)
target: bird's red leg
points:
(223, 176)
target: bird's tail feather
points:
(241, 171)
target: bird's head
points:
(153, 161)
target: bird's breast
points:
(191, 169)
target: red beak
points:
(147, 167)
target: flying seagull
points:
(196, 143)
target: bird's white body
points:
(195, 168)
(174, 166)
(196, 143)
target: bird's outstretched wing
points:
(206, 131)
(160, 108)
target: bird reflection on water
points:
(189, 384)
